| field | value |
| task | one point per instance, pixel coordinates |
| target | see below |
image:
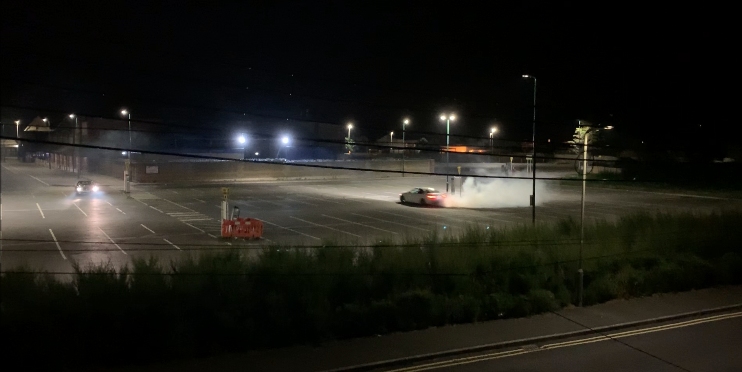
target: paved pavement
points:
(45, 225)
(675, 327)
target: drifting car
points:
(85, 187)
(423, 196)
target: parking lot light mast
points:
(533, 157)
(127, 178)
(448, 119)
(17, 124)
(74, 142)
(492, 139)
(404, 145)
(582, 205)
(347, 142)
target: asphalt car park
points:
(44, 224)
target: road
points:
(46, 226)
(710, 343)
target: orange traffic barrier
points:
(247, 228)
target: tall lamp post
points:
(492, 139)
(45, 120)
(391, 140)
(347, 142)
(17, 124)
(533, 157)
(74, 142)
(404, 145)
(127, 176)
(582, 204)
(448, 119)
(243, 141)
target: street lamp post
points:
(284, 143)
(391, 141)
(49, 160)
(533, 157)
(74, 142)
(17, 124)
(448, 119)
(582, 208)
(350, 126)
(127, 178)
(404, 145)
(492, 139)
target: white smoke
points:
(498, 193)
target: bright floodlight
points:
(72, 116)
(452, 117)
(391, 133)
(526, 76)
(609, 127)
(124, 112)
(406, 121)
(17, 121)
(123, 152)
(257, 153)
(45, 119)
(494, 130)
(285, 140)
(350, 125)
(443, 117)
(241, 139)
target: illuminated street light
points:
(17, 124)
(285, 140)
(533, 157)
(391, 137)
(405, 122)
(582, 202)
(241, 139)
(492, 139)
(347, 142)
(75, 139)
(448, 119)
(127, 180)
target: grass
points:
(226, 302)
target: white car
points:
(423, 195)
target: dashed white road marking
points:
(109, 203)
(57, 243)
(360, 224)
(156, 209)
(194, 227)
(120, 210)
(392, 222)
(202, 201)
(327, 227)
(83, 212)
(180, 205)
(38, 180)
(114, 243)
(169, 242)
(40, 211)
(148, 229)
(10, 170)
(292, 230)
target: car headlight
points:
(95, 188)
(78, 188)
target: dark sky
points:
(653, 72)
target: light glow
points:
(124, 112)
(241, 139)
(285, 140)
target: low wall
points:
(169, 172)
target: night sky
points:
(660, 74)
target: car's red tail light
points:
(430, 196)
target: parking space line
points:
(156, 209)
(114, 243)
(169, 242)
(182, 206)
(202, 201)
(292, 230)
(360, 224)
(211, 235)
(38, 180)
(57, 243)
(327, 227)
(120, 210)
(40, 211)
(392, 222)
(83, 212)
(10, 170)
(109, 203)
(148, 229)
(194, 227)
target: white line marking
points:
(292, 230)
(211, 236)
(174, 191)
(156, 209)
(120, 210)
(142, 202)
(195, 227)
(40, 211)
(83, 212)
(392, 222)
(114, 243)
(327, 227)
(109, 203)
(202, 201)
(148, 229)
(196, 219)
(10, 170)
(178, 248)
(57, 243)
(38, 180)
(361, 224)
(303, 202)
(182, 206)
